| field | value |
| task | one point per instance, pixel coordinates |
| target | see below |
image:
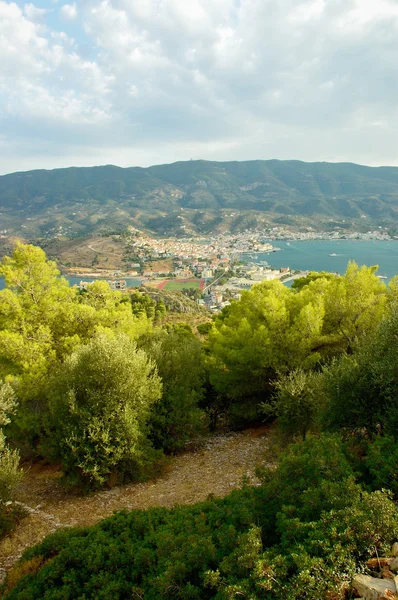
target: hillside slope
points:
(198, 196)
(216, 468)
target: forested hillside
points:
(198, 196)
(101, 384)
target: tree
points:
(10, 473)
(297, 403)
(100, 402)
(300, 282)
(273, 330)
(270, 330)
(178, 356)
(362, 389)
(355, 304)
(42, 321)
(142, 303)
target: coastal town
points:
(213, 270)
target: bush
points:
(10, 473)
(382, 463)
(204, 328)
(311, 477)
(362, 389)
(176, 417)
(100, 401)
(215, 550)
(301, 535)
(151, 554)
(297, 403)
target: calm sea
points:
(130, 282)
(332, 256)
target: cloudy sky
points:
(140, 82)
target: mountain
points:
(198, 196)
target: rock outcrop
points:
(383, 587)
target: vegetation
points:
(291, 537)
(10, 473)
(103, 383)
(274, 330)
(99, 403)
(85, 384)
(176, 418)
(179, 286)
(175, 302)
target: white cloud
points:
(171, 79)
(34, 13)
(69, 11)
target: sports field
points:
(176, 285)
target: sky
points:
(141, 82)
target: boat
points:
(333, 254)
(382, 277)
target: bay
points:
(130, 281)
(332, 256)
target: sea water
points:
(130, 282)
(332, 256)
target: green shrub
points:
(10, 473)
(297, 403)
(204, 328)
(151, 554)
(362, 389)
(176, 418)
(100, 401)
(312, 476)
(323, 528)
(382, 463)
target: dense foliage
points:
(99, 404)
(179, 359)
(274, 330)
(290, 538)
(10, 473)
(100, 383)
(79, 364)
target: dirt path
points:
(217, 468)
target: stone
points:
(386, 573)
(396, 582)
(372, 588)
(394, 565)
(394, 549)
(378, 563)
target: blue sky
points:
(140, 82)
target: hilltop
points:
(197, 197)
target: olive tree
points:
(100, 401)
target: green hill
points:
(197, 196)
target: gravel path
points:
(217, 468)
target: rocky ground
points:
(218, 466)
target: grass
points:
(179, 284)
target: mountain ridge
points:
(198, 196)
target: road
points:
(208, 287)
(296, 276)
